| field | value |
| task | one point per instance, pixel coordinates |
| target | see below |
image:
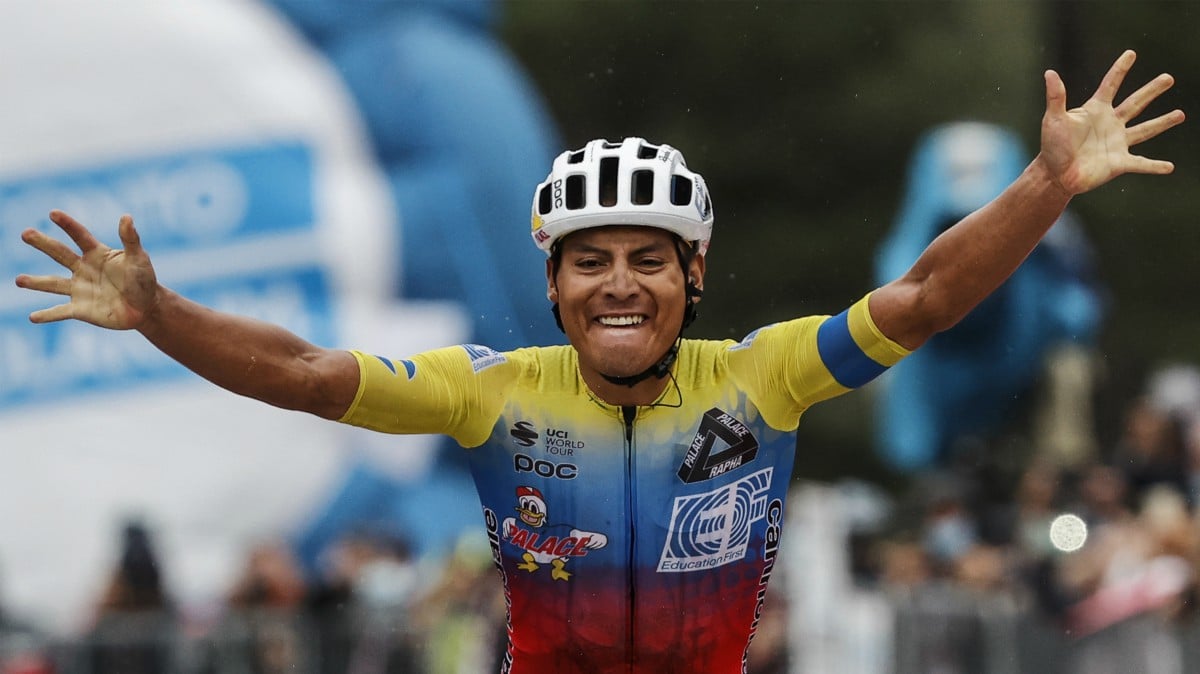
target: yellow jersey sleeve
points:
(787, 367)
(456, 391)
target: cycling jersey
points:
(630, 539)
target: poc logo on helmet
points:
(557, 189)
(703, 205)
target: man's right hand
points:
(114, 289)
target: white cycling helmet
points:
(632, 182)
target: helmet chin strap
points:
(658, 370)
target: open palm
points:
(107, 287)
(1087, 146)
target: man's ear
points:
(696, 273)
(551, 285)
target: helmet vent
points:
(608, 180)
(575, 192)
(681, 190)
(633, 182)
(642, 193)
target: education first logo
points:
(232, 228)
(712, 529)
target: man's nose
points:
(621, 282)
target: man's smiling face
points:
(620, 293)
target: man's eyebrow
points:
(580, 248)
(656, 247)
(588, 248)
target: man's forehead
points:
(614, 236)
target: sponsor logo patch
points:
(482, 357)
(712, 529)
(722, 443)
(523, 434)
(546, 547)
(703, 205)
(748, 340)
(561, 471)
(558, 441)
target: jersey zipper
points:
(629, 413)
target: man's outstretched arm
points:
(1081, 149)
(118, 289)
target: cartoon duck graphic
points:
(543, 543)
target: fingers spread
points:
(78, 233)
(1107, 90)
(1056, 94)
(1137, 101)
(129, 235)
(47, 284)
(55, 249)
(1138, 164)
(61, 312)
(1151, 128)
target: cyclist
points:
(633, 481)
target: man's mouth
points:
(621, 321)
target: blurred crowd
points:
(1121, 597)
(963, 556)
(374, 608)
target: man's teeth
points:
(621, 320)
